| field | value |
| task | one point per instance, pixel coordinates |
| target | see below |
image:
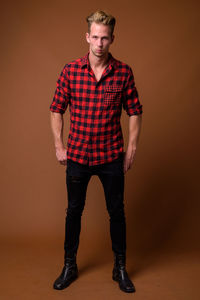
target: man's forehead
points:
(99, 27)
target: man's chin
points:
(99, 54)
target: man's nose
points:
(99, 42)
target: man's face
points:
(99, 39)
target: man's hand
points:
(128, 158)
(61, 155)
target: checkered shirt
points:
(95, 135)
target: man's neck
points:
(98, 62)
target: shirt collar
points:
(85, 60)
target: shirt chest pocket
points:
(113, 95)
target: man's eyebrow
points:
(105, 36)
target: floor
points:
(28, 270)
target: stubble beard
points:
(99, 55)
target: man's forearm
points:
(57, 129)
(135, 122)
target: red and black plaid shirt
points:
(95, 107)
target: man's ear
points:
(87, 37)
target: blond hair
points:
(101, 17)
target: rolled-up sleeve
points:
(131, 103)
(61, 97)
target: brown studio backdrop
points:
(159, 40)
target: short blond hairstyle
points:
(101, 17)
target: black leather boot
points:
(120, 274)
(68, 274)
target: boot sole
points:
(67, 284)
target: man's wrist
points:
(59, 146)
(132, 146)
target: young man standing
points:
(96, 87)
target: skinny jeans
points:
(111, 176)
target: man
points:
(96, 87)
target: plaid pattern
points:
(95, 107)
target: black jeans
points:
(111, 176)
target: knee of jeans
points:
(74, 212)
(117, 213)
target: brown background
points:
(160, 41)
